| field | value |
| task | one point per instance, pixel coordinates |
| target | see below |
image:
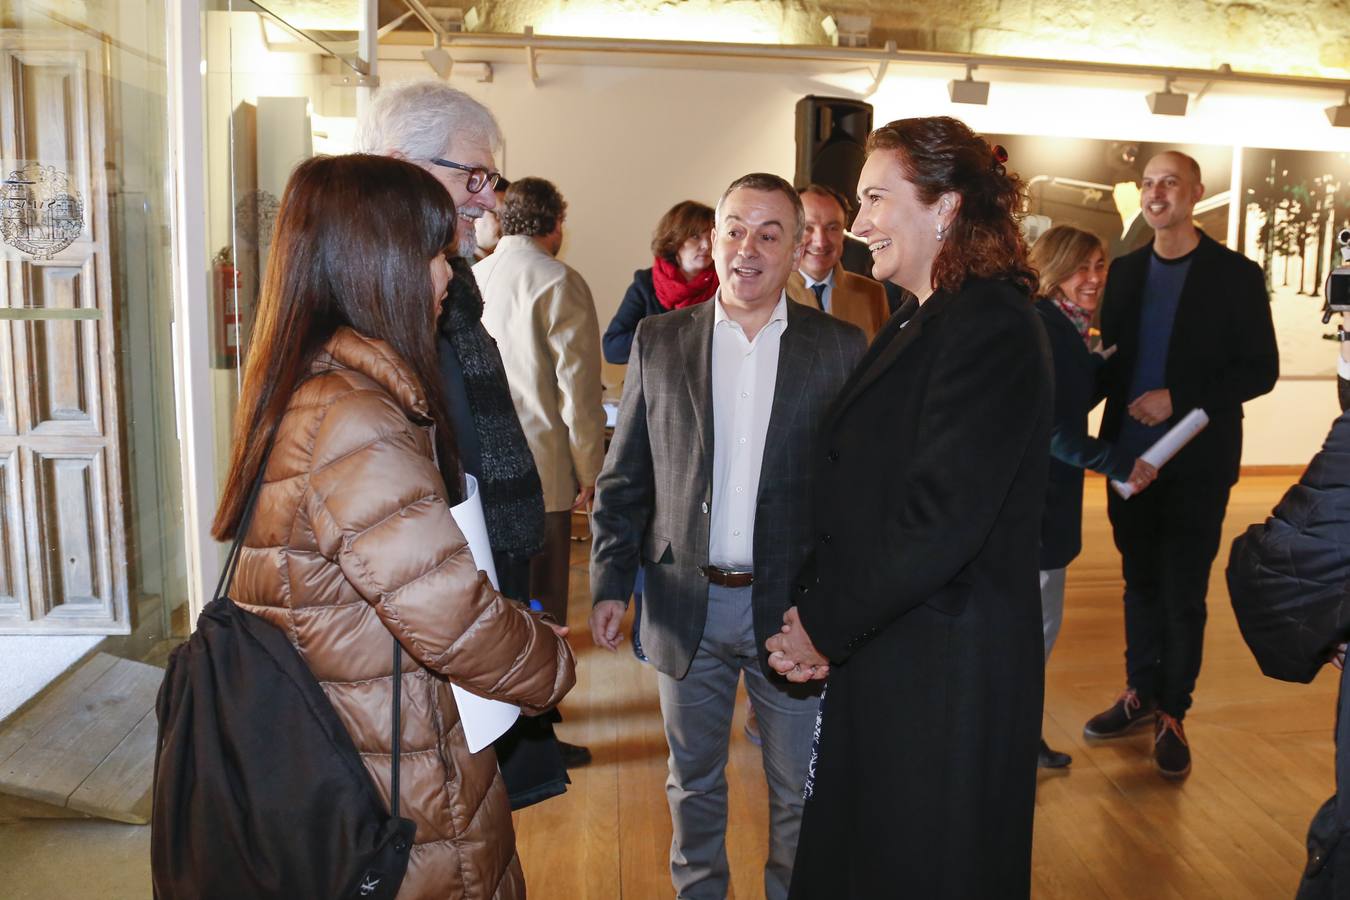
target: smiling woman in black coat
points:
(921, 603)
(1072, 269)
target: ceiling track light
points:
(439, 60)
(1167, 102)
(1339, 116)
(969, 90)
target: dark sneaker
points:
(1052, 759)
(574, 756)
(1171, 752)
(1124, 716)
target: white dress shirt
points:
(744, 374)
(828, 281)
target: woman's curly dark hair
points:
(532, 207)
(939, 154)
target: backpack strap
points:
(223, 589)
(232, 559)
(398, 728)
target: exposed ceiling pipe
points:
(426, 18)
(869, 56)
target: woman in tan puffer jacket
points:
(352, 538)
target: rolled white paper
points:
(484, 720)
(1167, 446)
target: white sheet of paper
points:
(484, 720)
(1166, 447)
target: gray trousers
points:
(1052, 606)
(697, 711)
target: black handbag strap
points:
(223, 588)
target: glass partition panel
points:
(91, 514)
(269, 106)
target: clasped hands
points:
(792, 655)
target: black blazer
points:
(1072, 449)
(639, 302)
(1222, 354)
(653, 499)
(924, 595)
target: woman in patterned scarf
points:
(1072, 268)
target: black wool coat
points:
(923, 592)
(1072, 449)
(1222, 353)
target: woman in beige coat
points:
(352, 538)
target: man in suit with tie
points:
(821, 279)
(707, 482)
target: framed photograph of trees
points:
(1292, 204)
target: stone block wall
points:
(1291, 37)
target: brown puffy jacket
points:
(353, 539)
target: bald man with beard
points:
(1190, 323)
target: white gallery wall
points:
(625, 142)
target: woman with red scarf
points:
(1072, 268)
(681, 275)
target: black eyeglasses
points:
(479, 177)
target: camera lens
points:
(1344, 236)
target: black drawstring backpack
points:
(259, 791)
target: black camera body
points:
(1337, 289)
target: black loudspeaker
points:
(831, 134)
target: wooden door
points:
(62, 549)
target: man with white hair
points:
(453, 136)
(446, 132)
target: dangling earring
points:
(941, 231)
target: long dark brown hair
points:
(353, 246)
(941, 154)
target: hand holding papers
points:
(484, 720)
(1167, 446)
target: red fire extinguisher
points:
(225, 305)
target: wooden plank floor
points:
(1109, 827)
(88, 745)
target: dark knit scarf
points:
(513, 500)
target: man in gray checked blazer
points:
(707, 482)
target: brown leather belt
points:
(727, 577)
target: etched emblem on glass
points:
(40, 213)
(255, 215)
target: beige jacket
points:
(352, 540)
(540, 312)
(855, 299)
